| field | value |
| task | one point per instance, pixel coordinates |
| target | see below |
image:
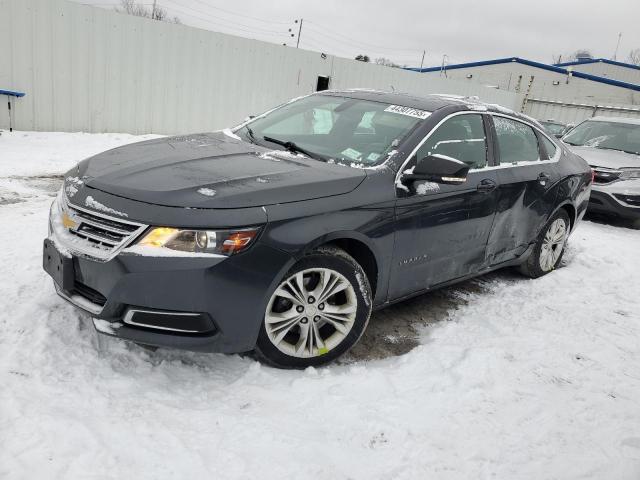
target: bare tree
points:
(634, 56)
(130, 7)
(386, 62)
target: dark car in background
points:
(611, 145)
(281, 236)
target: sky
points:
(463, 30)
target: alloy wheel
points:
(311, 312)
(553, 244)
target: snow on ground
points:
(510, 379)
(53, 153)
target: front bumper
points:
(619, 199)
(199, 304)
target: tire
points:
(300, 331)
(635, 224)
(548, 251)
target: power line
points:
(200, 14)
(240, 14)
(329, 44)
(346, 46)
(361, 44)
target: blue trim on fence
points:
(598, 60)
(12, 93)
(544, 66)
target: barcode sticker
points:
(410, 112)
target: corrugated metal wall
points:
(576, 112)
(541, 83)
(616, 72)
(90, 69)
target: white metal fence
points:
(568, 112)
(90, 69)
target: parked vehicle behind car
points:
(611, 145)
(554, 128)
(281, 236)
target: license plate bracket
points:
(59, 266)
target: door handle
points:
(543, 178)
(486, 186)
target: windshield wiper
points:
(250, 134)
(292, 147)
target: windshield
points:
(553, 128)
(333, 128)
(607, 135)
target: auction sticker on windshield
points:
(411, 112)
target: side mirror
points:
(439, 169)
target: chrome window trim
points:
(128, 319)
(554, 159)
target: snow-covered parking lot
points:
(502, 377)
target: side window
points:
(461, 137)
(549, 146)
(517, 142)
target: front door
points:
(527, 188)
(442, 230)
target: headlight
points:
(628, 173)
(220, 242)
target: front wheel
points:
(317, 313)
(549, 248)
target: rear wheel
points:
(317, 312)
(549, 248)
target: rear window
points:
(517, 142)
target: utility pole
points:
(422, 61)
(299, 33)
(442, 69)
(617, 46)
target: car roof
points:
(630, 121)
(429, 103)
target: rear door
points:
(442, 230)
(527, 177)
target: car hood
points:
(213, 170)
(600, 157)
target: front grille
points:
(89, 293)
(633, 200)
(602, 176)
(97, 235)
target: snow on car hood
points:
(213, 170)
(600, 157)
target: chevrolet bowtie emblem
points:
(68, 222)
